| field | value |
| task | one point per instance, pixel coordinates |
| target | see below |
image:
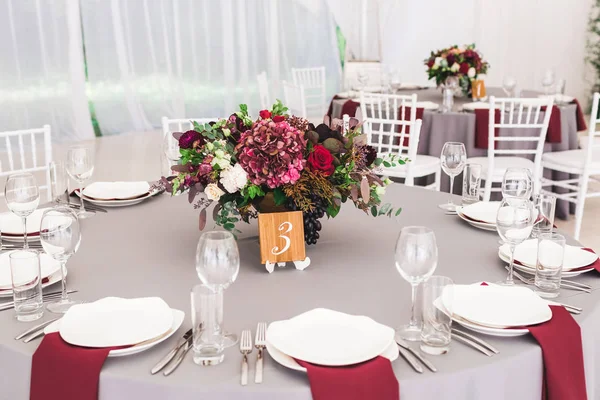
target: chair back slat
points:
(263, 91)
(312, 80)
(22, 152)
(34, 150)
(11, 165)
(293, 95)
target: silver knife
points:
(173, 366)
(402, 343)
(472, 344)
(34, 335)
(476, 340)
(35, 328)
(166, 359)
(410, 359)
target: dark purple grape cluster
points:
(312, 225)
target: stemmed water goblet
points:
(514, 223)
(509, 83)
(22, 197)
(60, 235)
(454, 159)
(363, 78)
(548, 81)
(80, 167)
(218, 265)
(517, 183)
(416, 257)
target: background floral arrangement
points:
(463, 62)
(278, 162)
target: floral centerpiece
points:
(464, 62)
(278, 162)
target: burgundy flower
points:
(371, 155)
(186, 141)
(321, 160)
(278, 118)
(431, 62)
(464, 68)
(265, 114)
(451, 58)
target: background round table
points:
(149, 250)
(458, 126)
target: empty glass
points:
(454, 158)
(22, 197)
(60, 235)
(363, 78)
(26, 279)
(548, 270)
(218, 265)
(517, 183)
(548, 81)
(437, 315)
(207, 324)
(545, 206)
(509, 84)
(416, 257)
(560, 92)
(80, 167)
(59, 190)
(514, 222)
(471, 183)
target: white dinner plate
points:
(560, 98)
(107, 191)
(574, 257)
(52, 279)
(391, 353)
(12, 225)
(497, 306)
(408, 86)
(477, 105)
(178, 317)
(480, 225)
(531, 270)
(486, 330)
(483, 211)
(114, 321)
(428, 105)
(119, 203)
(48, 266)
(330, 338)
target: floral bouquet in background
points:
(278, 162)
(464, 62)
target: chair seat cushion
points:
(501, 164)
(571, 160)
(422, 165)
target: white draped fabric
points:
(42, 73)
(195, 58)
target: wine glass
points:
(22, 197)
(363, 78)
(416, 257)
(509, 83)
(218, 265)
(548, 81)
(60, 235)
(517, 183)
(514, 223)
(454, 158)
(80, 167)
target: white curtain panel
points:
(197, 58)
(42, 73)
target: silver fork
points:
(260, 343)
(245, 349)
(563, 283)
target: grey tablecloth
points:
(459, 126)
(149, 250)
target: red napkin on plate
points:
(373, 379)
(560, 340)
(596, 263)
(61, 371)
(581, 125)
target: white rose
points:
(438, 61)
(471, 72)
(219, 154)
(209, 146)
(444, 63)
(213, 192)
(234, 178)
(380, 190)
(223, 163)
(455, 67)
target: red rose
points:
(278, 118)
(451, 58)
(464, 68)
(321, 160)
(265, 114)
(430, 62)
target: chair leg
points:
(583, 184)
(438, 179)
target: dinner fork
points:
(563, 284)
(260, 343)
(245, 349)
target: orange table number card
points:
(281, 238)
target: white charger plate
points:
(497, 306)
(331, 338)
(12, 225)
(575, 257)
(484, 211)
(178, 317)
(118, 203)
(500, 332)
(52, 279)
(48, 266)
(115, 321)
(475, 224)
(110, 191)
(391, 353)
(531, 270)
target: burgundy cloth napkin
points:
(596, 263)
(60, 371)
(407, 111)
(554, 134)
(581, 125)
(370, 380)
(560, 340)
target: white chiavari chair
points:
(25, 158)
(312, 81)
(294, 99)
(182, 124)
(392, 128)
(525, 115)
(583, 162)
(372, 69)
(263, 91)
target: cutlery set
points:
(564, 283)
(88, 206)
(36, 331)
(45, 297)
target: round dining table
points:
(149, 250)
(459, 126)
